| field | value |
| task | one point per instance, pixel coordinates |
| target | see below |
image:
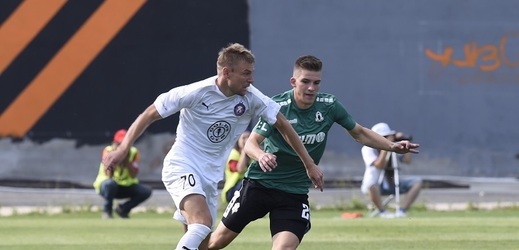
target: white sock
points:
(195, 234)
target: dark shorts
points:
(288, 212)
(230, 192)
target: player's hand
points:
(316, 176)
(267, 162)
(403, 147)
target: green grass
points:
(423, 230)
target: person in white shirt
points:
(214, 112)
(378, 177)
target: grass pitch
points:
(422, 230)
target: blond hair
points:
(231, 55)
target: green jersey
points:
(312, 126)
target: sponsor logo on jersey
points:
(218, 131)
(319, 117)
(313, 138)
(284, 103)
(324, 99)
(239, 109)
(292, 121)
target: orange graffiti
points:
(488, 57)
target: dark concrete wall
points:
(162, 45)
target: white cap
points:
(383, 129)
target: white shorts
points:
(181, 182)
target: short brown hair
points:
(232, 54)
(308, 62)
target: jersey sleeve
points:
(267, 109)
(174, 100)
(263, 128)
(342, 117)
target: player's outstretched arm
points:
(369, 138)
(140, 124)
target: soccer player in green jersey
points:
(276, 181)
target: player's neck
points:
(301, 105)
(222, 86)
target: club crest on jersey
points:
(319, 117)
(218, 131)
(239, 109)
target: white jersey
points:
(210, 124)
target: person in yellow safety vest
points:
(120, 182)
(235, 168)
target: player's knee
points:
(285, 240)
(199, 230)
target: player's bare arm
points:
(243, 162)
(291, 137)
(369, 138)
(253, 149)
(140, 124)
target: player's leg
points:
(196, 211)
(289, 220)
(247, 205)
(199, 221)
(221, 237)
(186, 189)
(285, 241)
(212, 198)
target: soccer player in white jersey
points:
(282, 190)
(213, 114)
